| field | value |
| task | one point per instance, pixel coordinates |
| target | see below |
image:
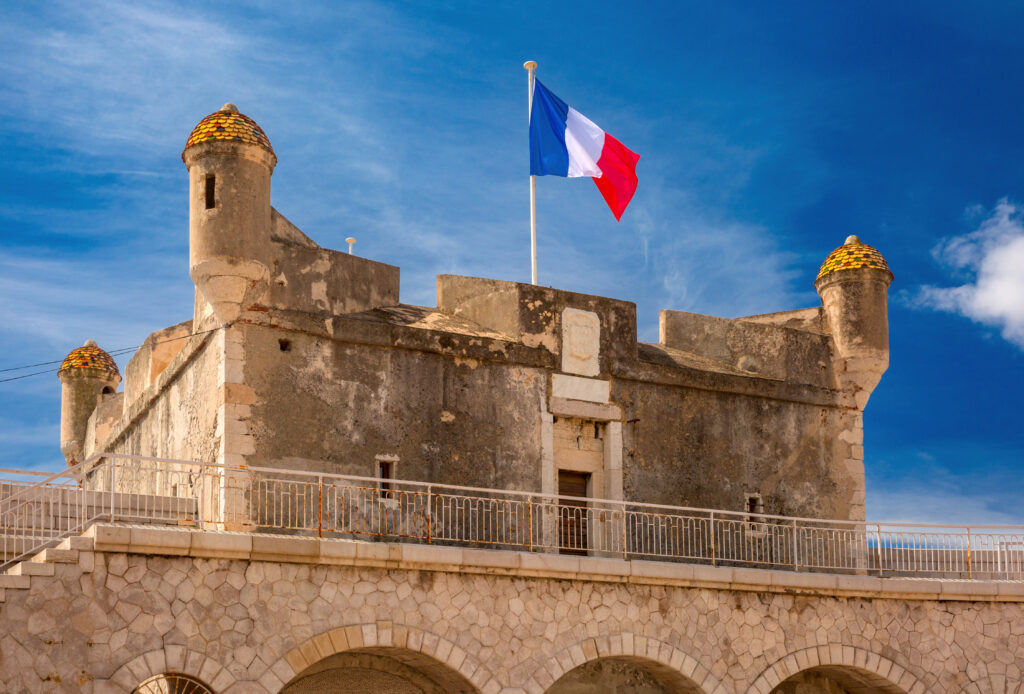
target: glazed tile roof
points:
(89, 357)
(851, 256)
(229, 124)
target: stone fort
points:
(309, 486)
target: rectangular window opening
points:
(211, 190)
(386, 473)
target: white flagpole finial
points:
(530, 66)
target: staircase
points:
(38, 517)
(19, 576)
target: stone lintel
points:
(561, 407)
(578, 388)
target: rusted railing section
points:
(132, 489)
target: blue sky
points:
(768, 133)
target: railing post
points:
(796, 549)
(430, 514)
(83, 506)
(320, 506)
(529, 523)
(625, 536)
(968, 553)
(878, 547)
(201, 500)
(711, 532)
(113, 486)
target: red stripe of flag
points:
(617, 182)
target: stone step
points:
(54, 555)
(28, 568)
(79, 542)
(15, 581)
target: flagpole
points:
(530, 67)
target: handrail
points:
(535, 495)
(142, 489)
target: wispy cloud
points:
(965, 484)
(991, 260)
(15, 433)
(100, 74)
(923, 503)
(57, 303)
(710, 262)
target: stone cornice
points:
(311, 550)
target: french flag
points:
(564, 142)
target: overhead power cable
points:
(112, 352)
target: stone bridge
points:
(247, 613)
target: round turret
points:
(230, 162)
(853, 283)
(86, 374)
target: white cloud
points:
(957, 482)
(923, 503)
(101, 75)
(56, 303)
(709, 262)
(992, 261)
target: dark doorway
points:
(572, 513)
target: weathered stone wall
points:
(706, 448)
(464, 409)
(777, 351)
(500, 621)
(176, 415)
(332, 406)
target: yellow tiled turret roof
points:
(89, 356)
(228, 124)
(852, 255)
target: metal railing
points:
(149, 490)
(38, 514)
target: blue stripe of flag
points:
(548, 154)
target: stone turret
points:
(853, 284)
(86, 375)
(230, 162)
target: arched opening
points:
(836, 679)
(623, 675)
(379, 670)
(172, 684)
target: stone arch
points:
(169, 659)
(681, 670)
(415, 647)
(994, 684)
(878, 670)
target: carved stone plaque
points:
(581, 342)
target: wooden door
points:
(572, 513)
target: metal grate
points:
(172, 684)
